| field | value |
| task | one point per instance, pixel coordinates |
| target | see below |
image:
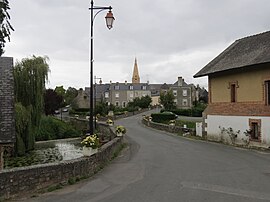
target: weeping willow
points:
(30, 77)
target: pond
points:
(48, 152)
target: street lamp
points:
(109, 22)
(95, 78)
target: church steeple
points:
(135, 77)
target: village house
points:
(239, 93)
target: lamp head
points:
(109, 19)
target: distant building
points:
(135, 76)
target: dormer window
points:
(116, 87)
(144, 87)
(130, 87)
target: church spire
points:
(135, 77)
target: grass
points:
(189, 124)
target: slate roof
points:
(243, 52)
(184, 84)
(125, 86)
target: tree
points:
(5, 25)
(52, 101)
(61, 91)
(142, 102)
(167, 100)
(30, 76)
(71, 93)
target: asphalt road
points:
(161, 167)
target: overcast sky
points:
(170, 38)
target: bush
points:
(162, 117)
(51, 128)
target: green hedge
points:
(162, 117)
(51, 128)
(194, 112)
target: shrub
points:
(162, 117)
(51, 128)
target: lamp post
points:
(109, 22)
(95, 78)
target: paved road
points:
(161, 167)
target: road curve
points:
(158, 166)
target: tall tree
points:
(30, 76)
(71, 93)
(167, 100)
(5, 25)
(52, 101)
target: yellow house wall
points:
(250, 86)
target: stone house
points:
(122, 93)
(239, 92)
(184, 94)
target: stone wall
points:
(167, 128)
(14, 182)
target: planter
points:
(119, 134)
(88, 151)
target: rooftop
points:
(242, 53)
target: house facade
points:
(239, 93)
(184, 94)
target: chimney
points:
(180, 81)
(110, 81)
(125, 82)
(100, 82)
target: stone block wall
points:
(7, 114)
(167, 128)
(14, 182)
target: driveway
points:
(158, 166)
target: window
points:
(185, 92)
(130, 87)
(106, 94)
(175, 92)
(267, 92)
(175, 101)
(116, 103)
(144, 87)
(255, 129)
(184, 102)
(233, 92)
(116, 95)
(131, 95)
(124, 104)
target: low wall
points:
(168, 128)
(14, 182)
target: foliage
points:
(52, 101)
(23, 128)
(143, 102)
(120, 129)
(70, 94)
(52, 128)
(167, 100)
(61, 92)
(194, 111)
(162, 117)
(30, 76)
(230, 132)
(189, 124)
(91, 141)
(5, 24)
